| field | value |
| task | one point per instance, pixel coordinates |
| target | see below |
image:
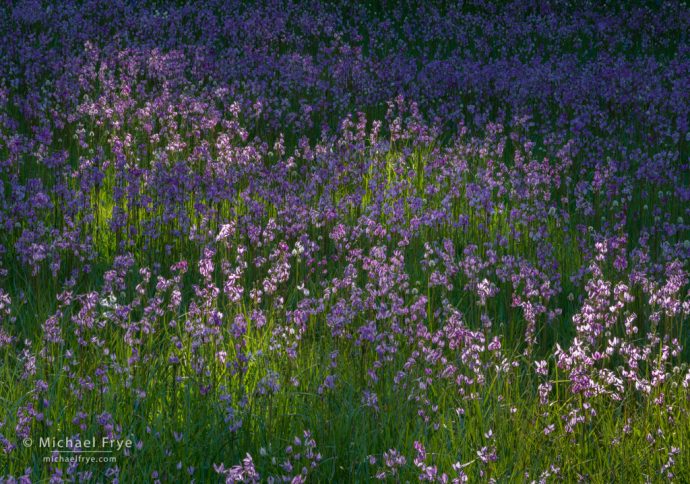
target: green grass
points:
(346, 431)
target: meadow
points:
(344, 241)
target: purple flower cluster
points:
(225, 209)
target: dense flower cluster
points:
(453, 240)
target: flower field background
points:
(346, 242)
